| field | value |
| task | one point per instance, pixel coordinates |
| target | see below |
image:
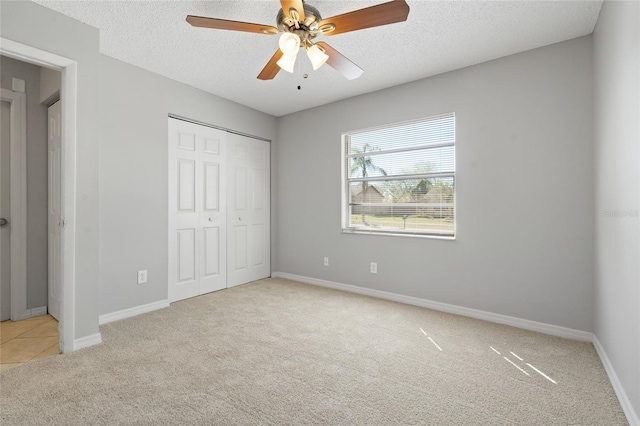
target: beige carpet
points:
(281, 352)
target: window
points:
(400, 179)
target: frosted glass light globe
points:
(289, 44)
(316, 56)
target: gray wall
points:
(50, 85)
(34, 25)
(37, 165)
(617, 158)
(524, 135)
(134, 106)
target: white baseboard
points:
(87, 341)
(553, 330)
(36, 312)
(625, 402)
(131, 312)
(33, 312)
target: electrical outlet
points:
(326, 261)
(142, 277)
(374, 268)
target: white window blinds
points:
(400, 179)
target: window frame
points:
(346, 181)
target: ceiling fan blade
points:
(271, 69)
(374, 16)
(293, 4)
(340, 63)
(223, 24)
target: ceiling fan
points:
(300, 23)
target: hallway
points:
(28, 340)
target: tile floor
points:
(28, 340)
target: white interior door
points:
(55, 216)
(197, 210)
(5, 212)
(249, 252)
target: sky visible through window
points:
(408, 135)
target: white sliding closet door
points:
(197, 210)
(249, 238)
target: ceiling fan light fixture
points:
(316, 56)
(299, 23)
(289, 43)
(287, 62)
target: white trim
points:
(18, 196)
(625, 401)
(39, 311)
(87, 341)
(68, 94)
(132, 312)
(33, 55)
(553, 330)
(30, 313)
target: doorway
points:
(27, 332)
(30, 189)
(68, 108)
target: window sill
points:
(397, 234)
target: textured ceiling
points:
(439, 36)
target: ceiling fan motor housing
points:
(306, 29)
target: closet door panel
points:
(197, 210)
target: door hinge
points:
(63, 224)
